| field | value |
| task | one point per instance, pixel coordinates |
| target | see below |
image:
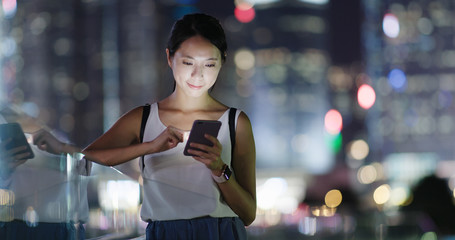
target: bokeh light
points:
(333, 198)
(244, 13)
(270, 192)
(397, 80)
(399, 195)
(244, 59)
(429, 236)
(118, 194)
(333, 121)
(367, 174)
(334, 142)
(358, 149)
(391, 25)
(366, 96)
(9, 8)
(382, 194)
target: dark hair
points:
(195, 24)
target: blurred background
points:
(351, 103)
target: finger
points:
(205, 161)
(16, 150)
(216, 143)
(14, 164)
(215, 150)
(211, 138)
(37, 136)
(176, 133)
(22, 156)
(203, 154)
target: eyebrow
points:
(208, 59)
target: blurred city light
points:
(333, 121)
(390, 25)
(269, 193)
(9, 8)
(278, 196)
(118, 194)
(334, 142)
(366, 96)
(244, 12)
(308, 226)
(382, 194)
(399, 195)
(397, 80)
(358, 149)
(317, 2)
(429, 236)
(333, 198)
(244, 59)
(367, 174)
(255, 2)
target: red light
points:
(244, 13)
(366, 96)
(333, 121)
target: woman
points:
(188, 197)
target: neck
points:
(188, 103)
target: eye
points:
(187, 63)
(210, 65)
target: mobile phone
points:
(201, 127)
(14, 132)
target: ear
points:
(169, 59)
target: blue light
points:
(397, 80)
(187, 2)
(179, 12)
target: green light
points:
(333, 141)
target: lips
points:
(194, 86)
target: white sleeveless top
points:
(178, 186)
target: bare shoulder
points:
(243, 122)
(132, 115)
(244, 135)
(129, 123)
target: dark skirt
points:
(18, 229)
(228, 228)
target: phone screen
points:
(201, 127)
(13, 131)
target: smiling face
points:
(195, 66)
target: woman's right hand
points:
(168, 139)
(13, 154)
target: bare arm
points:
(121, 142)
(239, 192)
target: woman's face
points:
(195, 66)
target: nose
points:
(197, 72)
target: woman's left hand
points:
(210, 156)
(45, 141)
